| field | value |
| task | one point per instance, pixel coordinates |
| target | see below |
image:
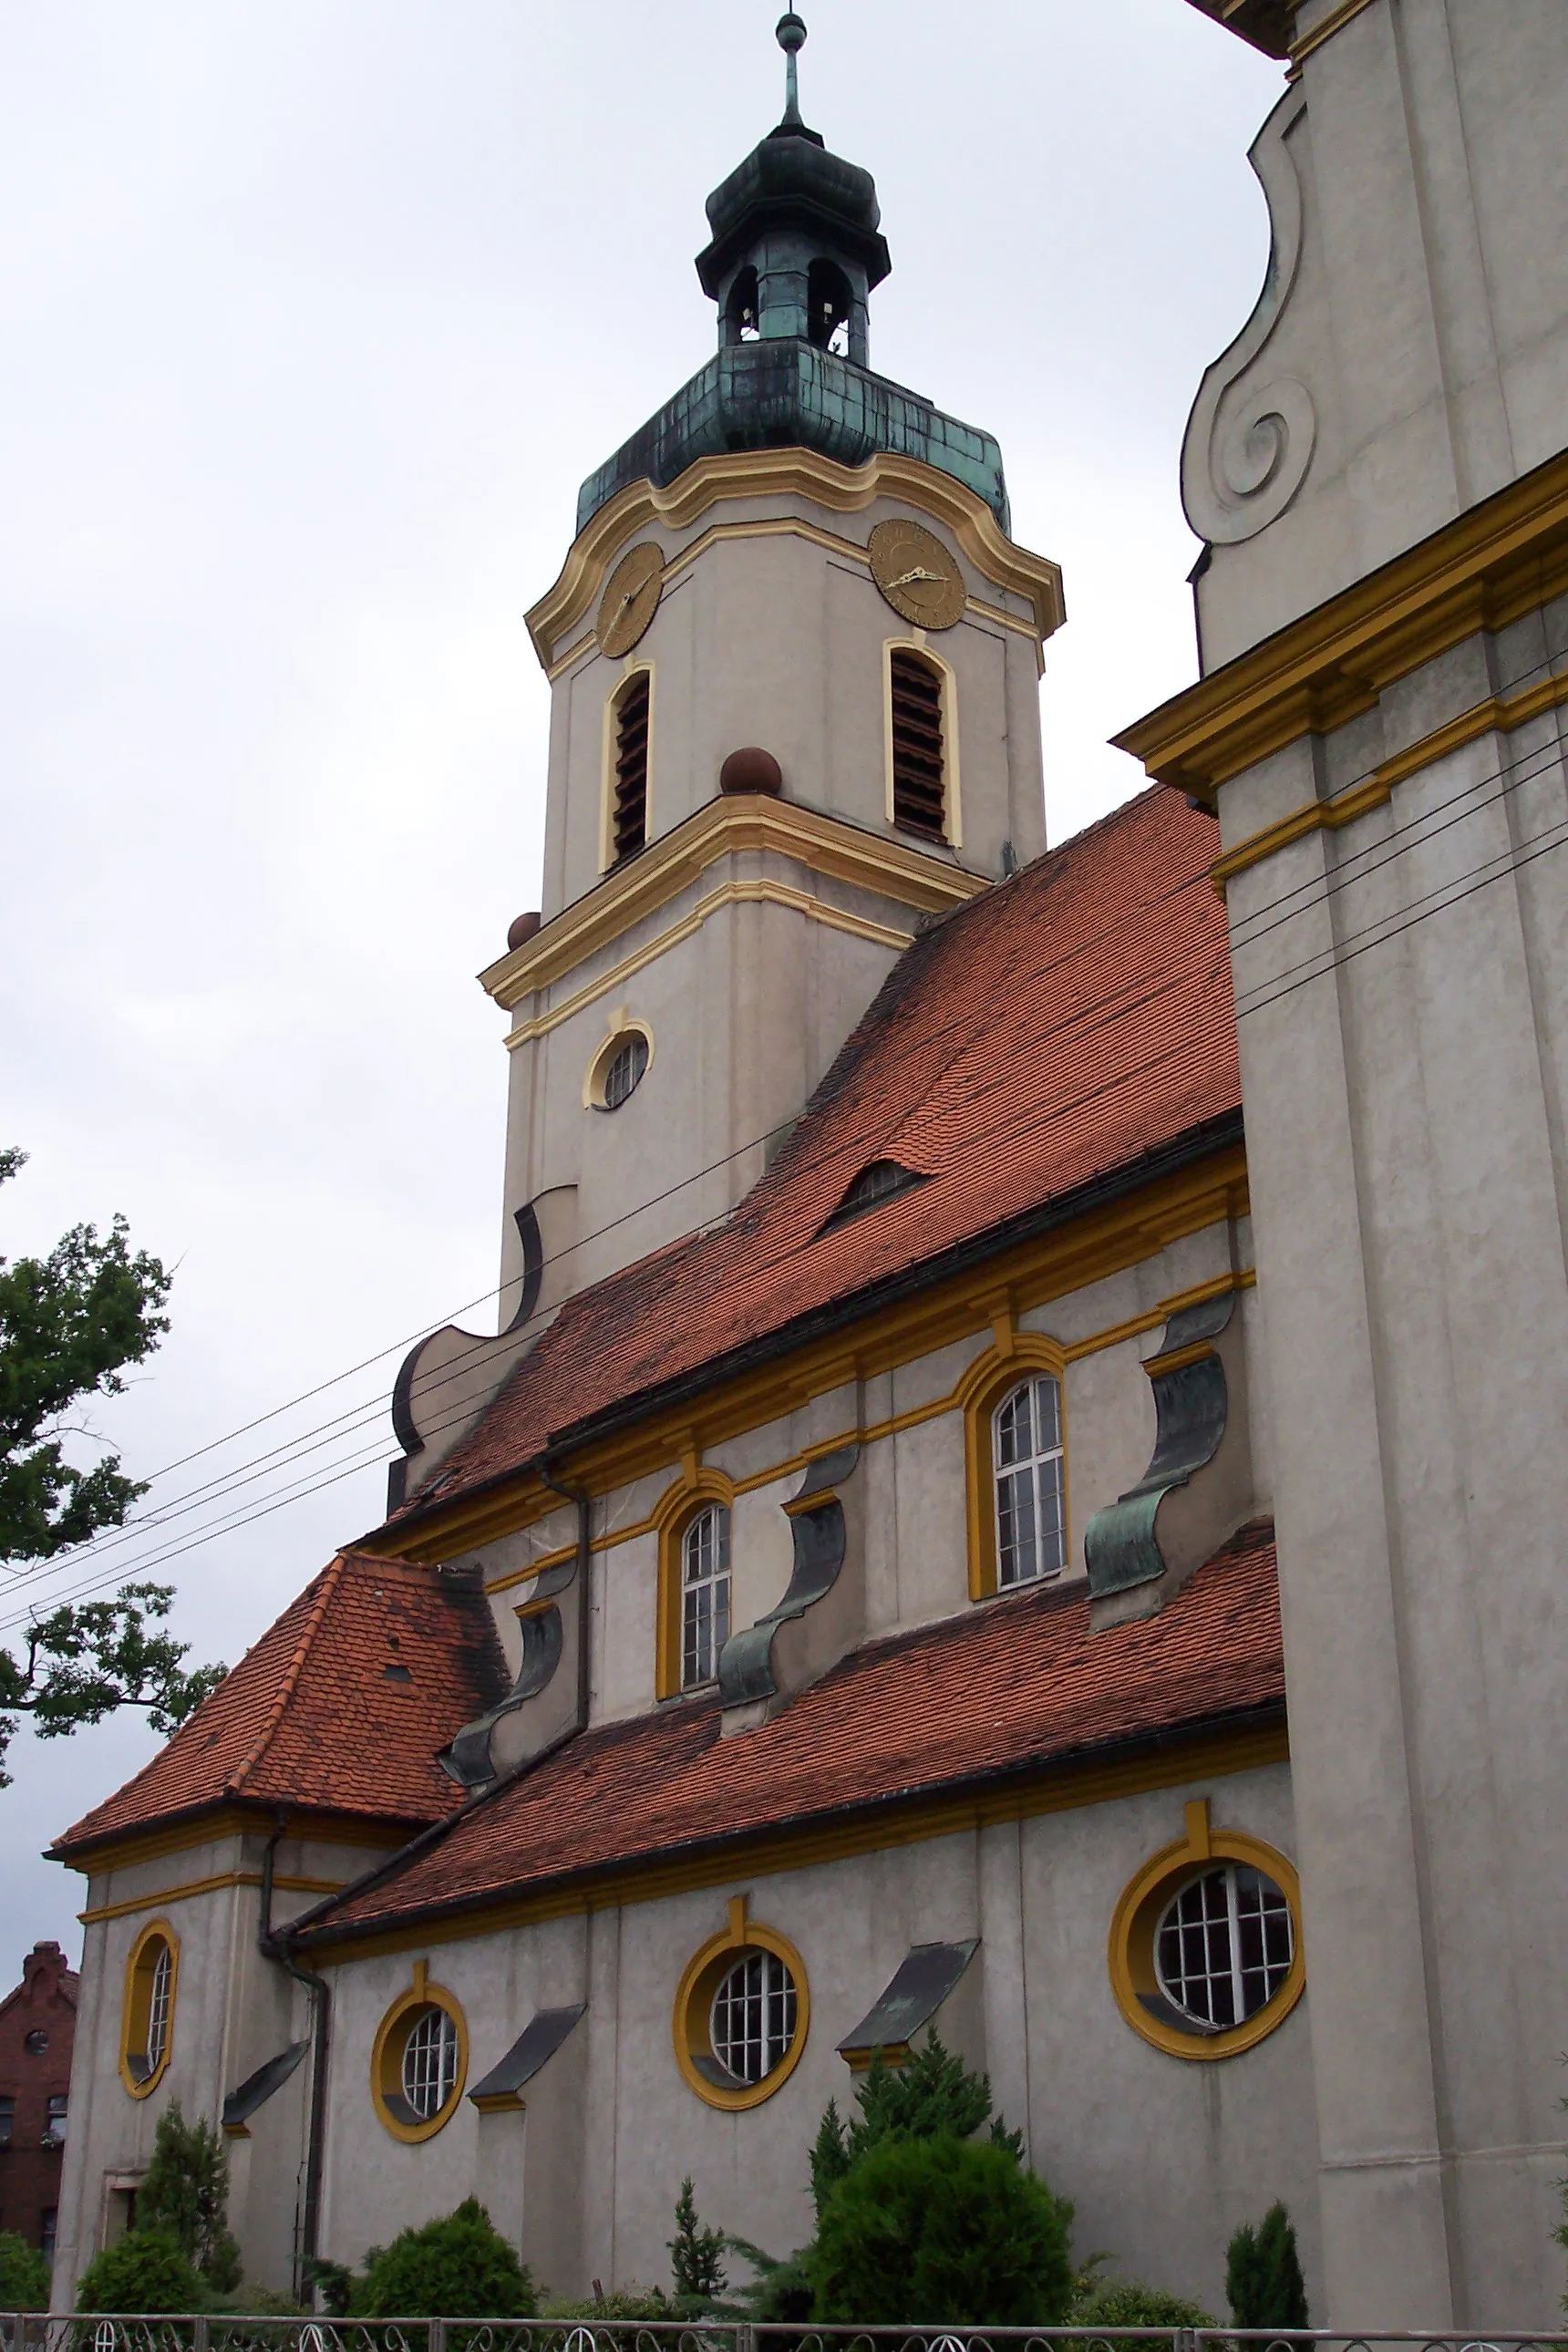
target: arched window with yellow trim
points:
(695, 1613)
(1016, 1461)
(147, 2019)
(1029, 1482)
(704, 1593)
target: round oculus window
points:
(625, 1070)
(753, 2022)
(430, 2060)
(1224, 1947)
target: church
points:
(1020, 1487)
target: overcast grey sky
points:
(315, 314)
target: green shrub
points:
(627, 2303)
(780, 2291)
(931, 2095)
(186, 2194)
(1126, 2303)
(146, 2270)
(1263, 2281)
(254, 2301)
(332, 2282)
(945, 2230)
(24, 2275)
(459, 2267)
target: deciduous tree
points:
(70, 1325)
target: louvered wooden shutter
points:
(919, 796)
(631, 766)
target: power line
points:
(325, 1434)
(1321, 889)
(1315, 882)
(1505, 862)
(158, 1556)
(965, 1023)
(1406, 839)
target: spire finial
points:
(790, 34)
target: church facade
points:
(1020, 1485)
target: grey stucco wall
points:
(1162, 2157)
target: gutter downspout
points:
(276, 1947)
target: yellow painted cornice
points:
(227, 1820)
(1054, 1789)
(1324, 30)
(788, 526)
(722, 828)
(1101, 1242)
(1073, 1351)
(161, 1896)
(782, 472)
(606, 982)
(1497, 562)
(1498, 715)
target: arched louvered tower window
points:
(628, 814)
(919, 752)
(829, 304)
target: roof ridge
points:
(331, 1575)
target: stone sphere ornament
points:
(751, 770)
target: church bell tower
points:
(793, 654)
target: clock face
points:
(630, 599)
(916, 575)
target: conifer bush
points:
(185, 2195)
(930, 2099)
(24, 2275)
(459, 2267)
(146, 2270)
(945, 2230)
(1263, 2281)
(696, 2255)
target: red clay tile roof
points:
(1063, 1026)
(309, 1717)
(1019, 1684)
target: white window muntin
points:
(158, 2008)
(704, 1594)
(1223, 1945)
(625, 1069)
(430, 2063)
(752, 2020)
(1028, 1458)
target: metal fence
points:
(214, 2332)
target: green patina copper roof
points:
(789, 212)
(783, 394)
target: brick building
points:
(37, 2026)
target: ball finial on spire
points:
(790, 34)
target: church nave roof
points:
(954, 1711)
(1072, 1028)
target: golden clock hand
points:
(917, 572)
